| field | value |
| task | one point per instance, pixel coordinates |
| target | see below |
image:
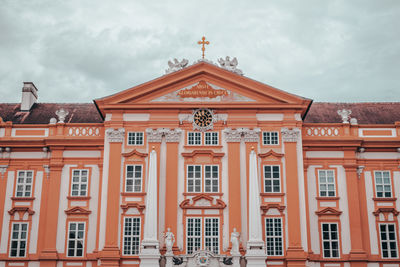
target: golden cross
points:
(203, 42)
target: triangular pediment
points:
(202, 84)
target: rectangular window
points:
(193, 234)
(211, 138)
(326, 179)
(131, 236)
(274, 236)
(19, 237)
(383, 184)
(272, 179)
(194, 138)
(330, 240)
(194, 178)
(270, 138)
(24, 184)
(211, 178)
(76, 238)
(79, 183)
(135, 138)
(211, 240)
(388, 240)
(133, 178)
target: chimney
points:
(29, 96)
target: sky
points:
(80, 50)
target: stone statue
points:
(230, 65)
(176, 65)
(344, 114)
(61, 114)
(235, 242)
(169, 240)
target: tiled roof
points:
(365, 113)
(41, 113)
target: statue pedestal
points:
(168, 259)
(236, 259)
(255, 254)
(149, 254)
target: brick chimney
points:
(29, 96)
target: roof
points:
(41, 113)
(365, 113)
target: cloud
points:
(76, 51)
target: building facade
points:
(200, 167)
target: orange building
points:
(199, 167)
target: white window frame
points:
(214, 239)
(383, 191)
(388, 241)
(272, 179)
(274, 238)
(326, 183)
(211, 179)
(270, 140)
(133, 138)
(19, 239)
(330, 240)
(24, 184)
(76, 239)
(198, 134)
(79, 183)
(213, 138)
(194, 178)
(132, 249)
(196, 238)
(134, 178)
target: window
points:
(326, 180)
(194, 234)
(18, 240)
(211, 138)
(135, 138)
(24, 184)
(272, 179)
(194, 138)
(270, 138)
(274, 236)
(76, 238)
(330, 240)
(195, 178)
(131, 236)
(383, 184)
(79, 183)
(211, 178)
(211, 239)
(133, 178)
(388, 240)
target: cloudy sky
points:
(78, 50)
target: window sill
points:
(23, 198)
(384, 198)
(272, 194)
(202, 146)
(327, 198)
(130, 194)
(78, 197)
(201, 193)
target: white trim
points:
(274, 236)
(134, 178)
(24, 184)
(19, 239)
(131, 248)
(194, 138)
(81, 154)
(269, 116)
(46, 132)
(263, 140)
(212, 236)
(76, 239)
(211, 178)
(194, 178)
(193, 236)
(135, 138)
(79, 183)
(33, 240)
(326, 183)
(330, 240)
(373, 235)
(135, 116)
(361, 132)
(388, 240)
(211, 138)
(272, 178)
(383, 184)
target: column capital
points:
(173, 136)
(290, 135)
(232, 135)
(251, 135)
(155, 135)
(115, 135)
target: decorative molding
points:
(277, 206)
(290, 135)
(202, 201)
(385, 210)
(190, 118)
(139, 206)
(203, 152)
(115, 135)
(134, 152)
(328, 212)
(251, 135)
(270, 153)
(155, 135)
(21, 211)
(77, 211)
(3, 169)
(47, 170)
(232, 135)
(173, 136)
(360, 171)
(176, 65)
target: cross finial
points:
(203, 42)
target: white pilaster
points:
(255, 253)
(149, 253)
